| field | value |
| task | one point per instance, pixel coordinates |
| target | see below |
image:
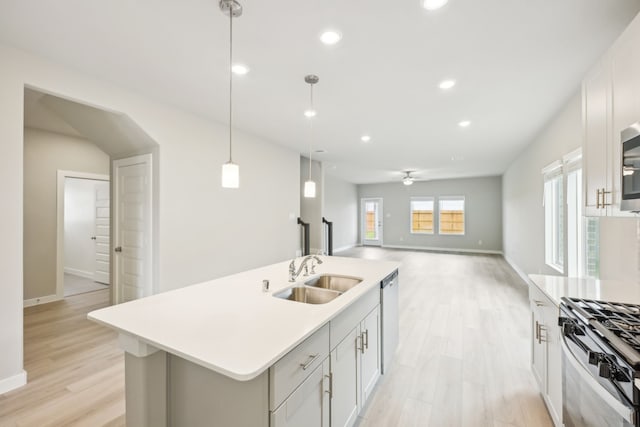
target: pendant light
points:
(310, 185)
(230, 170)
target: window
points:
(451, 215)
(422, 215)
(554, 216)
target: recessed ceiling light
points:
(240, 69)
(447, 84)
(365, 138)
(464, 123)
(330, 37)
(433, 4)
(310, 113)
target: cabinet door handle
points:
(312, 358)
(538, 303)
(361, 342)
(597, 198)
(541, 328)
(604, 203)
(330, 391)
(366, 342)
(537, 333)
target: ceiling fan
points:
(407, 179)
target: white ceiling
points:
(516, 63)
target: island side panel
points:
(198, 397)
(145, 389)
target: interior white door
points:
(371, 222)
(102, 223)
(133, 238)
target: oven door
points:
(586, 402)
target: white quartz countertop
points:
(556, 287)
(230, 325)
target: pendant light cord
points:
(310, 130)
(230, 79)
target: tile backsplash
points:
(620, 249)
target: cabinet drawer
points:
(290, 371)
(539, 298)
(344, 322)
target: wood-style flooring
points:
(75, 368)
(463, 358)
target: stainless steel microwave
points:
(630, 168)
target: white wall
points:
(44, 154)
(204, 231)
(483, 213)
(522, 188)
(80, 225)
(341, 208)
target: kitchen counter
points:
(229, 325)
(556, 287)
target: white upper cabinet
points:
(596, 115)
(611, 103)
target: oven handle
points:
(622, 410)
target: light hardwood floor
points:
(75, 368)
(463, 358)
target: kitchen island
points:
(225, 352)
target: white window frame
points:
(464, 216)
(433, 214)
(554, 216)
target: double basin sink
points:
(320, 289)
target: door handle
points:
(118, 249)
(93, 237)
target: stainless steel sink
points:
(308, 295)
(334, 283)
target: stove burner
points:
(612, 324)
(617, 323)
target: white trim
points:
(552, 168)
(573, 156)
(81, 273)
(345, 248)
(62, 175)
(517, 269)
(12, 383)
(41, 300)
(438, 249)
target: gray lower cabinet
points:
(309, 404)
(370, 353)
(344, 374)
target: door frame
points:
(62, 175)
(117, 292)
(363, 220)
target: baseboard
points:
(436, 249)
(40, 300)
(12, 383)
(344, 248)
(81, 273)
(524, 276)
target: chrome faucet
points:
(293, 274)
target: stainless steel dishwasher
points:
(389, 294)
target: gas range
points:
(605, 337)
